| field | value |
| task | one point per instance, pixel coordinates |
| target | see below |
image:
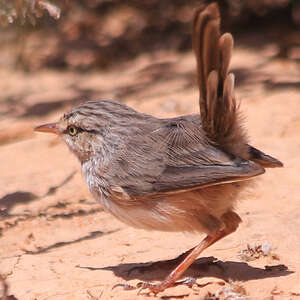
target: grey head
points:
(87, 127)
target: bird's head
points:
(84, 128)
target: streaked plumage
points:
(178, 174)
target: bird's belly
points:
(183, 212)
(191, 211)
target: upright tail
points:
(218, 107)
(219, 111)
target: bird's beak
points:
(51, 127)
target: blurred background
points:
(48, 49)
(84, 35)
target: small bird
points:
(178, 174)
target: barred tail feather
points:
(218, 108)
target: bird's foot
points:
(141, 286)
(125, 286)
(160, 287)
(151, 287)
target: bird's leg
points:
(231, 221)
(161, 264)
(180, 269)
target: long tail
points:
(218, 108)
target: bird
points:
(181, 174)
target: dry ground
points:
(57, 243)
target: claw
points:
(143, 286)
(153, 288)
(125, 286)
(189, 282)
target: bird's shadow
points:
(202, 267)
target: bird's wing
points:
(174, 157)
(180, 179)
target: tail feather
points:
(265, 160)
(226, 46)
(218, 108)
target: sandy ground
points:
(57, 243)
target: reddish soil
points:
(57, 243)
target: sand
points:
(56, 241)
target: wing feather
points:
(183, 159)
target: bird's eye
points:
(72, 130)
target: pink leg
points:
(231, 221)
